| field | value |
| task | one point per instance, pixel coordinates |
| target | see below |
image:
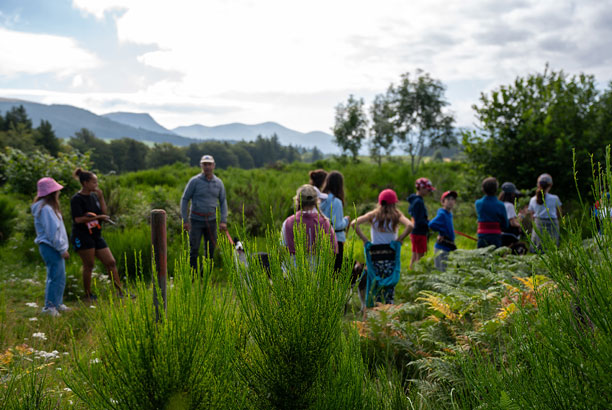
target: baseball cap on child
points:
(452, 194)
(545, 178)
(510, 188)
(424, 183)
(388, 196)
(306, 195)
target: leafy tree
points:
(245, 160)
(533, 125)
(165, 154)
(350, 128)
(129, 154)
(101, 152)
(382, 129)
(44, 136)
(419, 119)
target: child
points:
(308, 214)
(492, 217)
(443, 223)
(52, 243)
(333, 208)
(545, 208)
(418, 211)
(508, 195)
(385, 220)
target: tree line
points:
(542, 122)
(127, 154)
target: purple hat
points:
(46, 186)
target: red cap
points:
(449, 193)
(424, 183)
(388, 195)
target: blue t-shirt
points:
(443, 223)
(419, 213)
(491, 209)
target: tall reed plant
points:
(181, 361)
(560, 355)
(293, 313)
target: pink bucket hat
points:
(46, 186)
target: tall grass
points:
(182, 361)
(559, 356)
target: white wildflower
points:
(32, 304)
(95, 361)
(40, 335)
(33, 319)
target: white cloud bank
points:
(292, 62)
(27, 53)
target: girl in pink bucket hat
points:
(52, 242)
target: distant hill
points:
(239, 131)
(137, 120)
(67, 119)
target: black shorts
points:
(82, 242)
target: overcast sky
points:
(213, 62)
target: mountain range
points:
(68, 119)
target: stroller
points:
(375, 285)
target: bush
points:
(8, 213)
(182, 359)
(21, 171)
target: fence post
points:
(158, 239)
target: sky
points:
(214, 62)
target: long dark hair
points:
(82, 175)
(334, 184)
(540, 191)
(52, 200)
(387, 213)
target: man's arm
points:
(223, 207)
(187, 194)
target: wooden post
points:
(158, 239)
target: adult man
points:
(204, 191)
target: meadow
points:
(495, 331)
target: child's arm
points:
(362, 219)
(408, 227)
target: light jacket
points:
(49, 226)
(332, 208)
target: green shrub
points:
(8, 213)
(184, 360)
(21, 171)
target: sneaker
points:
(51, 311)
(92, 298)
(63, 308)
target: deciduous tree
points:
(350, 128)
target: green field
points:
(494, 331)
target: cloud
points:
(27, 53)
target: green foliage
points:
(419, 118)
(21, 171)
(535, 124)
(7, 215)
(350, 128)
(100, 151)
(181, 361)
(165, 154)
